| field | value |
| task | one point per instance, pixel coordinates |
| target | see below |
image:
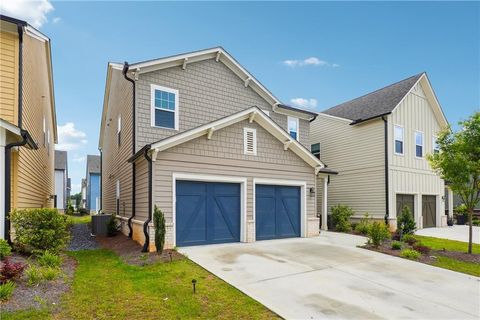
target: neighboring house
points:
(62, 192)
(378, 142)
(27, 120)
(200, 138)
(93, 177)
(83, 200)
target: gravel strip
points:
(81, 238)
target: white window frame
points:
(117, 190)
(298, 126)
(415, 143)
(403, 140)
(154, 87)
(44, 131)
(119, 129)
(245, 145)
(434, 143)
(319, 149)
(48, 142)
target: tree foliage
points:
(159, 224)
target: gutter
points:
(384, 118)
(124, 71)
(145, 224)
(371, 118)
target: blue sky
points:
(336, 51)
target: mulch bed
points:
(131, 251)
(45, 294)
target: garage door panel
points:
(429, 211)
(192, 226)
(225, 218)
(265, 214)
(288, 223)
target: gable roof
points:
(93, 164)
(250, 114)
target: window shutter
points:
(250, 141)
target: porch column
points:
(2, 182)
(450, 202)
(324, 204)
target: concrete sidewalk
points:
(459, 233)
(328, 277)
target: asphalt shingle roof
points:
(374, 104)
(60, 160)
(93, 164)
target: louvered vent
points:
(250, 141)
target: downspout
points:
(145, 224)
(124, 71)
(20, 74)
(384, 118)
(101, 178)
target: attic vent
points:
(249, 141)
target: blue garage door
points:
(207, 213)
(277, 212)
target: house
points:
(62, 192)
(27, 120)
(197, 136)
(83, 200)
(93, 180)
(379, 142)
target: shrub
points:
(11, 270)
(69, 210)
(377, 233)
(406, 223)
(340, 218)
(364, 225)
(49, 273)
(82, 212)
(421, 248)
(6, 290)
(37, 274)
(5, 249)
(396, 245)
(159, 223)
(410, 254)
(409, 238)
(49, 259)
(112, 226)
(40, 229)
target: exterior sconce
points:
(312, 192)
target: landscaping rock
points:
(82, 238)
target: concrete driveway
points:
(459, 233)
(328, 277)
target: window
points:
(418, 144)
(44, 132)
(293, 127)
(117, 197)
(119, 130)
(315, 149)
(398, 136)
(249, 141)
(48, 142)
(435, 146)
(164, 107)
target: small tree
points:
(458, 163)
(159, 223)
(405, 222)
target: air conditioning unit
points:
(99, 224)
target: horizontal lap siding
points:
(141, 189)
(9, 45)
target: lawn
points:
(457, 265)
(80, 219)
(105, 287)
(450, 245)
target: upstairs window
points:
(435, 146)
(315, 149)
(164, 107)
(48, 142)
(249, 141)
(44, 132)
(398, 139)
(419, 144)
(119, 130)
(293, 127)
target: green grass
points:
(450, 245)
(459, 266)
(80, 219)
(104, 287)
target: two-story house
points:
(28, 129)
(92, 183)
(379, 142)
(200, 138)
(62, 188)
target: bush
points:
(364, 225)
(421, 248)
(341, 218)
(10, 270)
(396, 245)
(409, 238)
(159, 223)
(49, 273)
(406, 223)
(49, 259)
(83, 212)
(6, 290)
(5, 249)
(40, 229)
(377, 233)
(37, 274)
(112, 226)
(410, 254)
(69, 210)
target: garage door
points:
(207, 213)
(277, 212)
(429, 211)
(405, 200)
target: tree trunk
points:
(470, 229)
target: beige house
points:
(27, 120)
(200, 138)
(378, 142)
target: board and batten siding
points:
(208, 90)
(9, 45)
(357, 153)
(114, 158)
(224, 155)
(409, 174)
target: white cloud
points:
(70, 138)
(304, 103)
(34, 12)
(78, 158)
(310, 61)
(56, 20)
